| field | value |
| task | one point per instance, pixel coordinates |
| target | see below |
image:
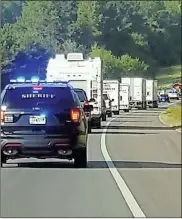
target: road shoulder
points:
(172, 117)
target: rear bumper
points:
(125, 107)
(115, 108)
(41, 146)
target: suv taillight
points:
(2, 116)
(75, 115)
(86, 103)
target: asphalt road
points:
(143, 178)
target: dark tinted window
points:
(77, 101)
(30, 97)
(81, 95)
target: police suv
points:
(43, 120)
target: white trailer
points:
(81, 73)
(125, 97)
(152, 93)
(111, 87)
(137, 91)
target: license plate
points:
(37, 120)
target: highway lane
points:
(59, 190)
(149, 160)
(147, 157)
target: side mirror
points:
(88, 108)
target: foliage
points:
(168, 76)
(132, 37)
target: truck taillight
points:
(75, 115)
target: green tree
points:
(111, 65)
(10, 11)
(133, 66)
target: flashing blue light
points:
(35, 79)
(43, 115)
(21, 79)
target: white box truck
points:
(137, 91)
(111, 87)
(124, 95)
(108, 103)
(81, 73)
(152, 93)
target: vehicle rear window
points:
(81, 95)
(30, 97)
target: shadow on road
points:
(124, 133)
(96, 165)
(131, 164)
(141, 127)
(41, 165)
(133, 121)
(118, 119)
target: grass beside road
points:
(168, 76)
(172, 116)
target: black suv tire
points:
(89, 128)
(80, 159)
(110, 114)
(98, 124)
(104, 117)
(3, 160)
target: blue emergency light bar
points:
(36, 80)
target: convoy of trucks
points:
(105, 96)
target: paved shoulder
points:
(148, 157)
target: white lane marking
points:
(125, 191)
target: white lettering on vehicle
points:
(30, 96)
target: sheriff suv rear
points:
(42, 120)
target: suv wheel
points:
(3, 159)
(80, 159)
(104, 118)
(89, 128)
(110, 114)
(117, 112)
(98, 124)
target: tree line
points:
(133, 38)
